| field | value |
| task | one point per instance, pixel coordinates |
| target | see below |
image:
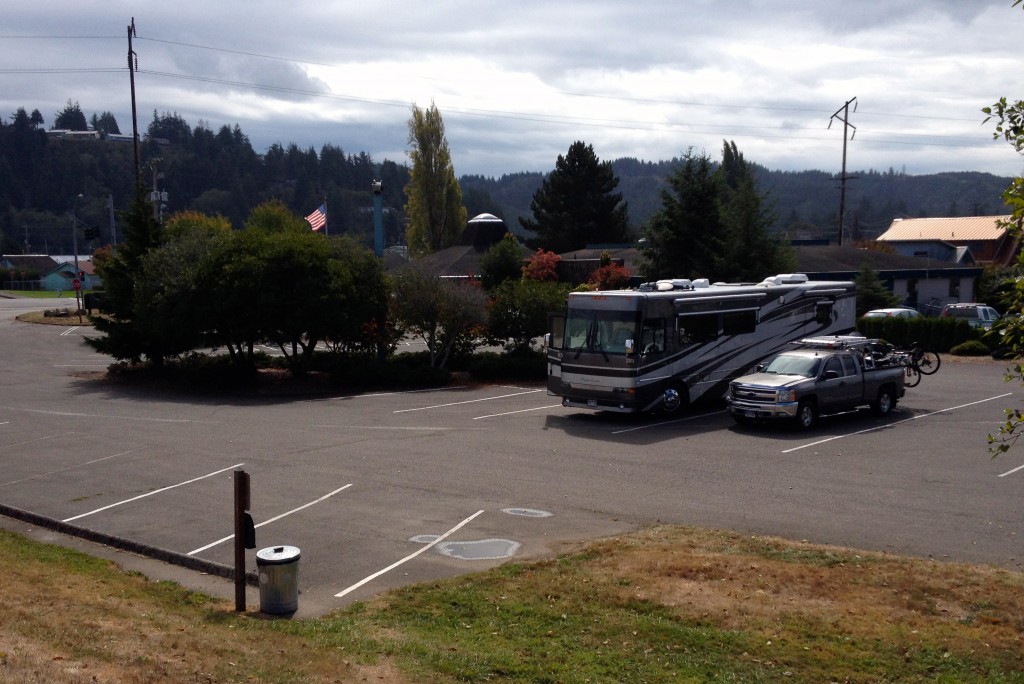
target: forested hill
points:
(45, 176)
(805, 203)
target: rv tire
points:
(674, 398)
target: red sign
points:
(75, 284)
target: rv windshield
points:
(599, 330)
(794, 365)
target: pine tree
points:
(577, 204)
(685, 237)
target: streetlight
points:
(74, 246)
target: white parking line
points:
(509, 413)
(156, 491)
(468, 401)
(64, 470)
(274, 519)
(905, 420)
(409, 557)
(1011, 472)
(667, 422)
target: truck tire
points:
(806, 414)
(885, 402)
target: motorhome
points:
(668, 344)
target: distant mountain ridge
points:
(805, 203)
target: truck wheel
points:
(806, 414)
(885, 402)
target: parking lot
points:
(383, 489)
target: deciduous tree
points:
(433, 197)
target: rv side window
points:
(698, 328)
(823, 313)
(652, 336)
(738, 322)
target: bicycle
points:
(926, 362)
(911, 370)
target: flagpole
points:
(327, 221)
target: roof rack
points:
(837, 342)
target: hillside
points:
(806, 203)
(42, 176)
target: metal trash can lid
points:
(277, 555)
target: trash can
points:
(278, 570)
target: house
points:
(41, 272)
(962, 240)
(463, 258)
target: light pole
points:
(74, 246)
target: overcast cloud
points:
(518, 83)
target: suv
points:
(978, 315)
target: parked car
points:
(897, 312)
(978, 315)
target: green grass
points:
(663, 605)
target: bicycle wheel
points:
(913, 378)
(928, 363)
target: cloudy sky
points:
(518, 82)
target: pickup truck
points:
(819, 379)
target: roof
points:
(39, 263)
(956, 229)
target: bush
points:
(970, 348)
(933, 334)
(525, 365)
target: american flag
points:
(318, 219)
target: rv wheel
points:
(674, 398)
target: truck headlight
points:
(786, 396)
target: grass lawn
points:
(667, 604)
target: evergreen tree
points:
(685, 237)
(871, 292)
(503, 261)
(434, 199)
(71, 118)
(126, 337)
(751, 252)
(577, 204)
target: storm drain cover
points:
(484, 549)
(527, 512)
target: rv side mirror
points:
(629, 346)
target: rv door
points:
(554, 340)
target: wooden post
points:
(241, 506)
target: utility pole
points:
(133, 66)
(845, 118)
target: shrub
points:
(523, 365)
(970, 348)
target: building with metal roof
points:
(961, 239)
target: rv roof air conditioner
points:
(784, 279)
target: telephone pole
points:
(845, 118)
(133, 65)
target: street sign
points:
(76, 284)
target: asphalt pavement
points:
(384, 489)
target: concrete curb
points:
(155, 552)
